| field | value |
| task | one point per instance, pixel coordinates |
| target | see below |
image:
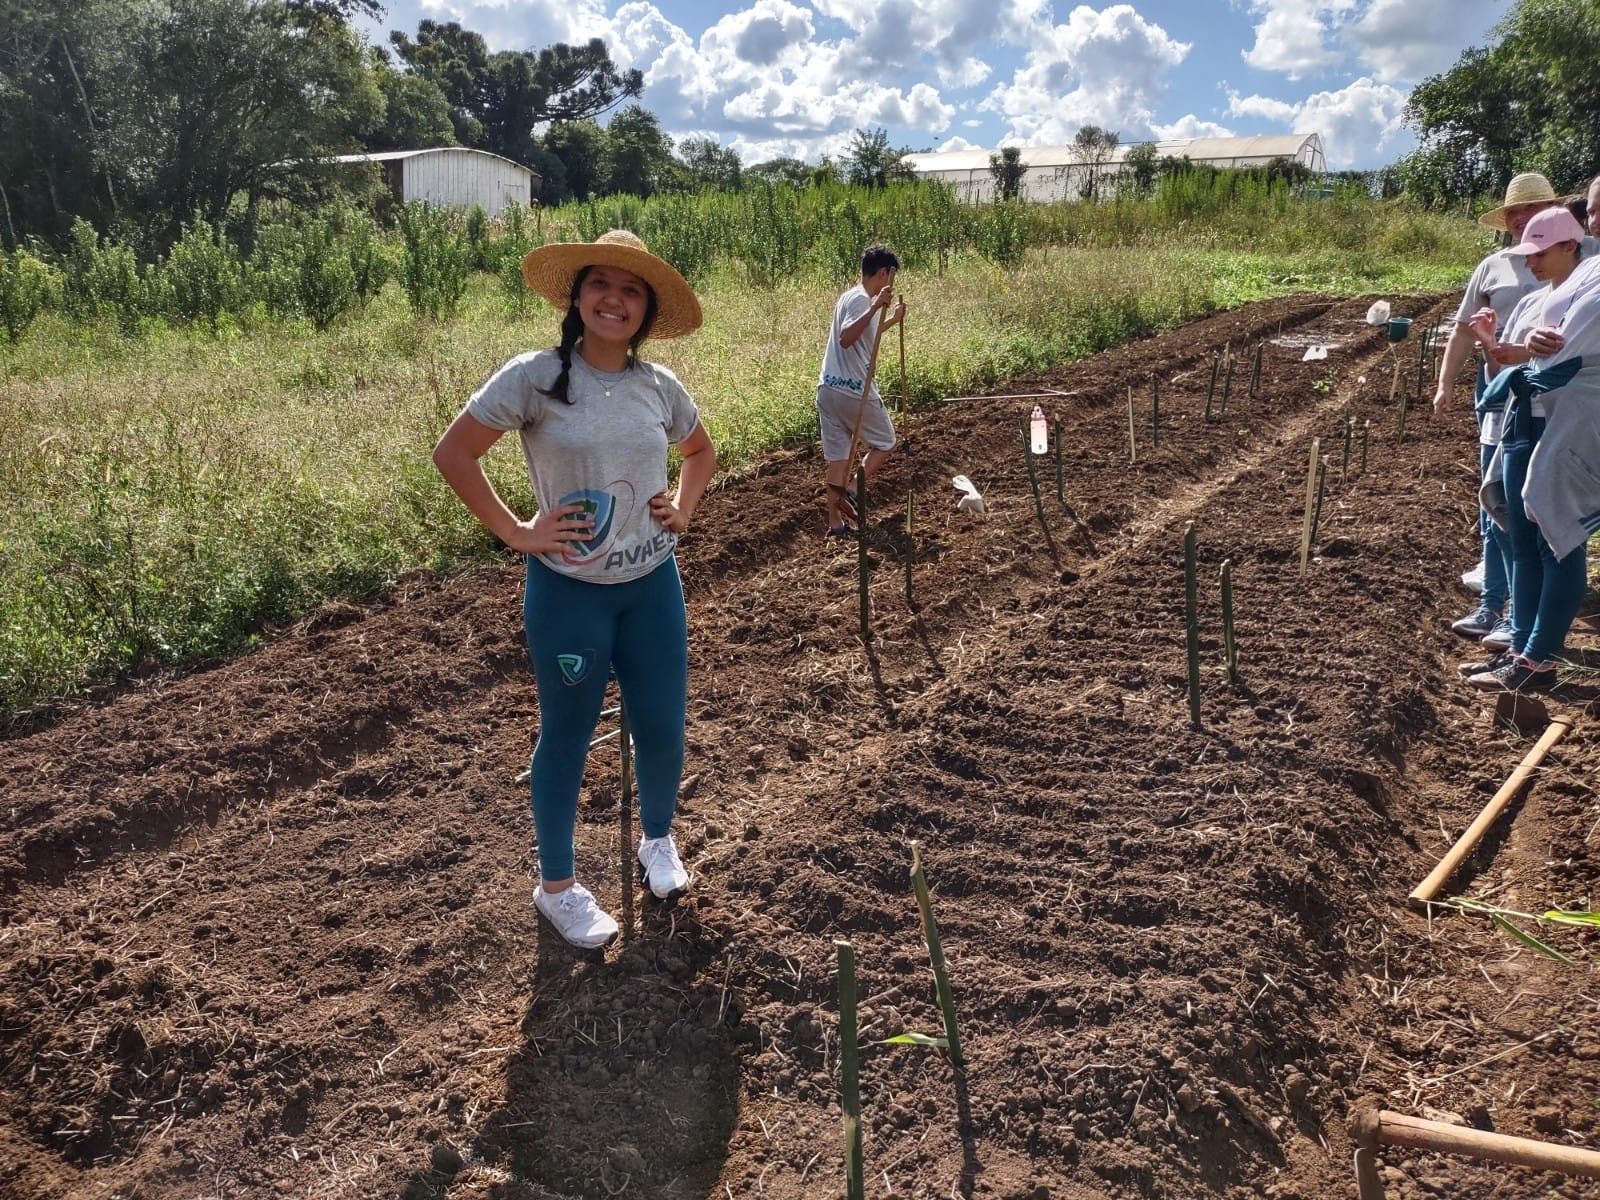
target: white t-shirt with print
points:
(844, 368)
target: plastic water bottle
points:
(1039, 431)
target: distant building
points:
(1055, 172)
(454, 177)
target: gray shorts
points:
(837, 412)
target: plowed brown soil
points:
(267, 929)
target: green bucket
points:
(1398, 328)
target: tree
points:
(638, 155)
(871, 163)
(1526, 102)
(498, 100)
(1008, 171)
(416, 115)
(1140, 169)
(581, 149)
(790, 171)
(711, 165)
(1093, 149)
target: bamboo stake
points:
(1227, 381)
(1430, 887)
(1366, 428)
(1133, 453)
(861, 553)
(911, 545)
(866, 396)
(1311, 500)
(905, 396)
(625, 741)
(941, 977)
(850, 1074)
(1033, 473)
(1230, 647)
(1061, 492)
(1316, 513)
(1372, 1128)
(1155, 412)
(1191, 618)
(1212, 386)
(1344, 463)
(1255, 370)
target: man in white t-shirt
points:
(846, 395)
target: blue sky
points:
(797, 77)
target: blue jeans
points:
(1546, 592)
(1496, 549)
(577, 634)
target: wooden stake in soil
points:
(1155, 412)
(941, 977)
(1227, 382)
(911, 545)
(1366, 429)
(905, 398)
(1033, 475)
(1191, 617)
(625, 740)
(1061, 492)
(1316, 513)
(1255, 370)
(1344, 463)
(855, 1182)
(861, 553)
(1371, 1128)
(1212, 386)
(1133, 454)
(1429, 888)
(1405, 394)
(1311, 502)
(1230, 648)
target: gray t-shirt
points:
(844, 368)
(607, 450)
(1499, 281)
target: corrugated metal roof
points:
(394, 155)
(1199, 149)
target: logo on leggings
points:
(574, 667)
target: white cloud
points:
(522, 24)
(957, 143)
(1361, 124)
(1407, 40)
(1291, 35)
(1103, 68)
(1190, 126)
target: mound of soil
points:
(267, 929)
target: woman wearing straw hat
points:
(1498, 282)
(603, 591)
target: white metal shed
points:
(1053, 172)
(454, 177)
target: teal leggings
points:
(578, 633)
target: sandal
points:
(845, 530)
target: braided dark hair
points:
(572, 333)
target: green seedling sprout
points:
(941, 977)
(850, 1074)
(1502, 917)
(1191, 616)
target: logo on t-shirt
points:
(609, 513)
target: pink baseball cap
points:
(1548, 228)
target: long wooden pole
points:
(1372, 1128)
(866, 391)
(1430, 887)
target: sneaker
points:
(1469, 669)
(1499, 638)
(576, 915)
(1472, 578)
(1518, 675)
(1477, 623)
(663, 869)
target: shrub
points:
(27, 287)
(437, 257)
(204, 275)
(101, 278)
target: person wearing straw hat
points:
(603, 592)
(1497, 282)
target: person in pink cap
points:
(1546, 587)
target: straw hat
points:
(550, 270)
(1530, 188)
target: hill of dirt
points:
(267, 929)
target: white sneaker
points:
(663, 869)
(576, 915)
(1472, 578)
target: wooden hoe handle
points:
(1372, 1128)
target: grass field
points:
(174, 495)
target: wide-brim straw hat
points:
(1529, 188)
(550, 270)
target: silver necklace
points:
(606, 379)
